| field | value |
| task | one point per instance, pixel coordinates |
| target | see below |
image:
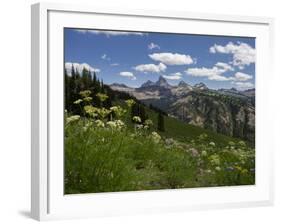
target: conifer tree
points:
(161, 123)
(94, 79)
(102, 87)
(142, 113)
(135, 110)
(84, 83)
(66, 90)
(71, 84)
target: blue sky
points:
(133, 58)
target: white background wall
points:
(15, 110)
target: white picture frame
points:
(47, 198)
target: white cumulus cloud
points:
(174, 76)
(216, 72)
(204, 72)
(172, 58)
(244, 85)
(242, 53)
(219, 78)
(79, 67)
(151, 68)
(129, 75)
(240, 76)
(110, 33)
(152, 46)
(224, 66)
(105, 57)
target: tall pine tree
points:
(142, 113)
(71, 89)
(161, 122)
(66, 90)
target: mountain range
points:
(227, 111)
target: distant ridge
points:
(227, 111)
(148, 83)
(200, 86)
(120, 85)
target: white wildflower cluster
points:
(232, 145)
(102, 97)
(194, 152)
(103, 112)
(204, 153)
(78, 101)
(214, 160)
(72, 119)
(120, 124)
(118, 111)
(136, 119)
(130, 102)
(85, 93)
(203, 136)
(148, 123)
(85, 97)
(111, 124)
(169, 141)
(88, 125)
(139, 126)
(88, 99)
(114, 108)
(212, 144)
(90, 110)
(218, 168)
(117, 124)
(242, 144)
(99, 123)
(155, 137)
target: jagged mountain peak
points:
(200, 86)
(162, 82)
(182, 84)
(234, 89)
(161, 79)
(147, 83)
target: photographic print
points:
(151, 111)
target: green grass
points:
(179, 130)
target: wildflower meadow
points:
(109, 148)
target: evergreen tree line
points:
(87, 80)
(76, 82)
